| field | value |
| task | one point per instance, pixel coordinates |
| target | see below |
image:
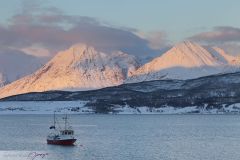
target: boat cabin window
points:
(67, 132)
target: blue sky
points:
(179, 18)
(119, 25)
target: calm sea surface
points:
(124, 137)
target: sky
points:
(43, 27)
(179, 18)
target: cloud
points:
(53, 30)
(219, 34)
(232, 48)
(15, 64)
(225, 37)
(36, 50)
(156, 40)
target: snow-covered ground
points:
(44, 107)
(232, 109)
(78, 107)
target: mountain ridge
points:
(82, 67)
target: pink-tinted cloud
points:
(219, 35)
(52, 29)
(225, 37)
(156, 40)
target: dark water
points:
(126, 137)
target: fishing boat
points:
(61, 136)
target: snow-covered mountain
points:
(79, 68)
(186, 60)
(15, 64)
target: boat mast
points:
(54, 120)
(65, 122)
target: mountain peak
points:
(187, 43)
(187, 54)
(80, 48)
(75, 55)
(192, 53)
